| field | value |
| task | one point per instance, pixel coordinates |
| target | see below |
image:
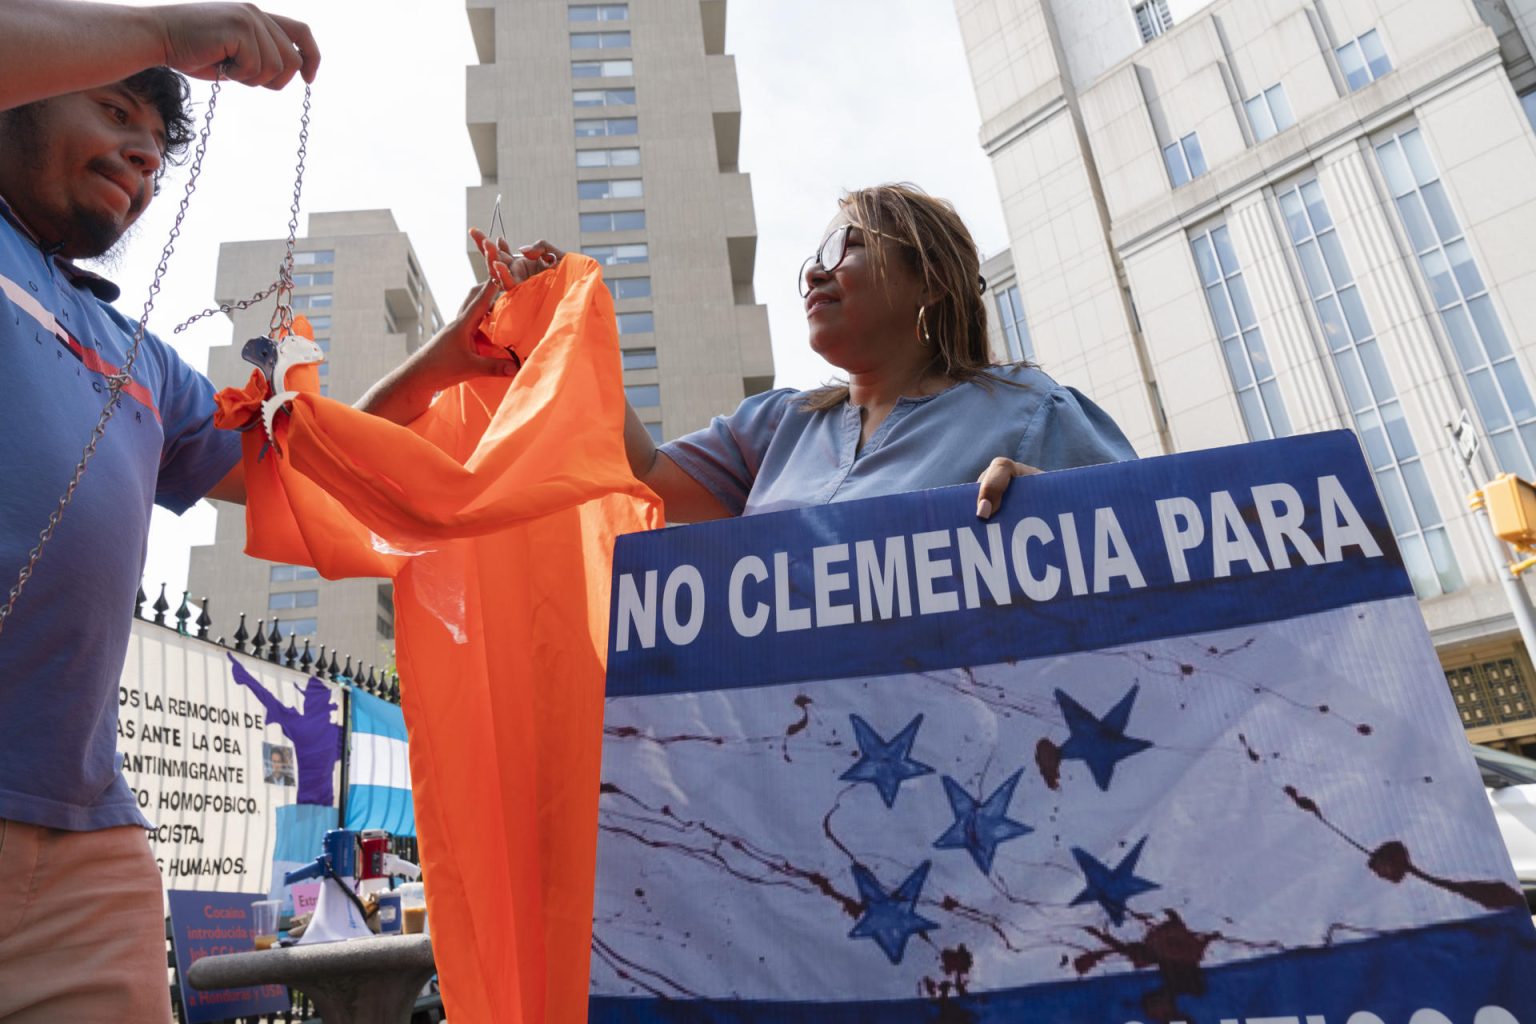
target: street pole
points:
(1514, 591)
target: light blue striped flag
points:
(379, 768)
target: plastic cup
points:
(413, 908)
(264, 917)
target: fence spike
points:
(241, 636)
(275, 642)
(204, 620)
(161, 606)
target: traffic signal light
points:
(1511, 504)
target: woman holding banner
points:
(893, 297)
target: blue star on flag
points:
(1112, 888)
(1099, 742)
(885, 765)
(891, 919)
(981, 826)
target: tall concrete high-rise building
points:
(613, 128)
(1235, 220)
(358, 281)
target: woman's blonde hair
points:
(940, 251)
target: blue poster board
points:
(1162, 741)
(209, 924)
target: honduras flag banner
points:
(379, 768)
(1161, 741)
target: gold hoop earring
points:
(922, 325)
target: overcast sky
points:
(834, 95)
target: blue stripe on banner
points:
(1074, 531)
(372, 715)
(1446, 968)
(384, 807)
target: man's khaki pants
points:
(82, 936)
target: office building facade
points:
(1249, 220)
(613, 129)
(360, 284)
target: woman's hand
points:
(994, 480)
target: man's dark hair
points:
(167, 91)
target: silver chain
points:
(116, 382)
(282, 316)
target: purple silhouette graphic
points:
(315, 738)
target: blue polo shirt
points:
(772, 453)
(62, 649)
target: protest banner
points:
(1161, 741)
(211, 924)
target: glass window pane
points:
(596, 222)
(616, 12)
(1373, 440)
(1332, 319)
(1225, 254)
(1333, 256)
(621, 97)
(1312, 192)
(1253, 415)
(1295, 216)
(587, 97)
(623, 126)
(1395, 168)
(1397, 430)
(633, 287)
(1395, 498)
(1354, 312)
(592, 190)
(618, 68)
(1312, 269)
(1528, 101)
(1221, 311)
(1509, 453)
(1280, 107)
(1440, 212)
(1419, 160)
(615, 40)
(1238, 292)
(1194, 156)
(1516, 395)
(1275, 406)
(629, 220)
(1353, 65)
(1259, 118)
(643, 394)
(1426, 582)
(1445, 561)
(625, 157)
(1353, 377)
(1376, 371)
(1468, 352)
(584, 40)
(639, 359)
(591, 158)
(1258, 358)
(1462, 266)
(637, 323)
(1437, 271)
(583, 12)
(1375, 55)
(1205, 259)
(1488, 327)
(1420, 234)
(1174, 161)
(1485, 395)
(589, 128)
(626, 188)
(1237, 362)
(585, 69)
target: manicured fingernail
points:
(983, 509)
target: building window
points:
(637, 323)
(289, 573)
(599, 40)
(1488, 365)
(602, 68)
(617, 255)
(643, 395)
(610, 188)
(1184, 159)
(306, 280)
(320, 301)
(324, 343)
(1528, 101)
(604, 97)
(298, 627)
(385, 628)
(639, 358)
(597, 127)
(325, 390)
(1010, 313)
(1152, 19)
(620, 220)
(600, 12)
(1369, 391)
(608, 157)
(629, 287)
(654, 429)
(314, 256)
(320, 323)
(1490, 692)
(1242, 345)
(1363, 60)
(293, 599)
(1270, 112)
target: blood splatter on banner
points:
(1162, 741)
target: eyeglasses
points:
(829, 257)
(832, 252)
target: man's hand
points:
(255, 48)
(510, 269)
(994, 481)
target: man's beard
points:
(111, 260)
